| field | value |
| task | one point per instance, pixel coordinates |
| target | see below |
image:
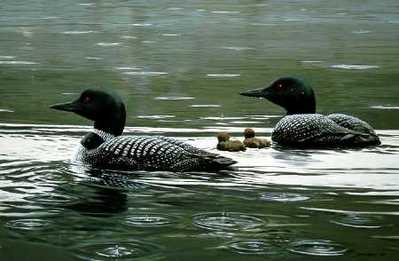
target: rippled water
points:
(290, 203)
(179, 66)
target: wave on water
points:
(171, 35)
(124, 68)
(155, 117)
(245, 122)
(223, 118)
(6, 110)
(79, 32)
(221, 75)
(174, 98)
(354, 66)
(205, 105)
(361, 32)
(147, 73)
(382, 107)
(141, 24)
(236, 48)
(93, 58)
(87, 4)
(128, 37)
(108, 44)
(7, 57)
(225, 12)
(18, 63)
(311, 61)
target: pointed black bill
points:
(69, 106)
(254, 93)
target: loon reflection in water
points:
(303, 127)
(105, 148)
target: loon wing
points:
(328, 136)
(187, 147)
(352, 123)
(366, 134)
(316, 130)
(212, 159)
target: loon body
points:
(303, 127)
(104, 147)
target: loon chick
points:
(105, 148)
(251, 141)
(224, 143)
(303, 127)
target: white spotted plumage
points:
(144, 152)
(307, 129)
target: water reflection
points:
(102, 192)
(101, 202)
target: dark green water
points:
(179, 66)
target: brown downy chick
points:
(224, 143)
(251, 142)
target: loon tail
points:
(223, 161)
(361, 139)
(204, 162)
(217, 162)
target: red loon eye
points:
(279, 86)
(86, 99)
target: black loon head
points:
(291, 93)
(105, 108)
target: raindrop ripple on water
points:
(253, 247)
(122, 250)
(149, 220)
(227, 221)
(317, 248)
(359, 221)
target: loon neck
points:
(103, 134)
(302, 110)
(306, 105)
(112, 124)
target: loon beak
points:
(69, 106)
(260, 93)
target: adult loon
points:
(105, 148)
(303, 127)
